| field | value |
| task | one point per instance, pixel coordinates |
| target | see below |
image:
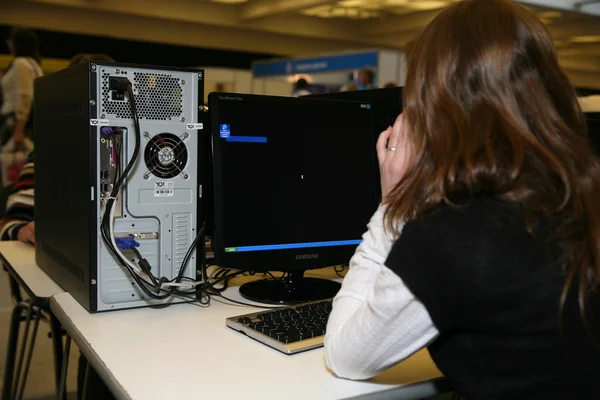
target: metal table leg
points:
(28, 346)
(57, 347)
(86, 379)
(11, 353)
(62, 388)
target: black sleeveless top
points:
(493, 291)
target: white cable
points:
(183, 284)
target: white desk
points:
(19, 259)
(185, 351)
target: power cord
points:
(339, 269)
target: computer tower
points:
(84, 137)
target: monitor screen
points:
(294, 181)
(386, 104)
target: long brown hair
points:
(491, 113)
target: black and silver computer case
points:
(82, 128)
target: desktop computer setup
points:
(292, 183)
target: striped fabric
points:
(19, 207)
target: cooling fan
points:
(166, 156)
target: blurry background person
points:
(301, 88)
(17, 86)
(349, 87)
(365, 79)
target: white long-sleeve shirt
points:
(17, 87)
(376, 321)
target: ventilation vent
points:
(157, 96)
(180, 239)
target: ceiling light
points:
(229, 1)
(394, 3)
(427, 4)
(353, 3)
(549, 14)
(585, 39)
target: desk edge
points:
(42, 302)
(92, 357)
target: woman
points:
(486, 248)
(17, 85)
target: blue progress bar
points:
(293, 246)
(247, 139)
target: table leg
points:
(86, 379)
(15, 291)
(57, 347)
(62, 388)
(11, 353)
(24, 374)
(22, 349)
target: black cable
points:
(339, 271)
(282, 277)
(145, 266)
(105, 223)
(247, 304)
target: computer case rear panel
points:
(85, 136)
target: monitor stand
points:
(292, 289)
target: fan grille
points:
(165, 155)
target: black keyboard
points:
(288, 329)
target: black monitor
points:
(386, 104)
(294, 188)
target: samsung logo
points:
(307, 256)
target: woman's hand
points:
(19, 132)
(18, 136)
(27, 233)
(393, 155)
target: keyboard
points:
(289, 330)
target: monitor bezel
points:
(287, 260)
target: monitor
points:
(386, 105)
(294, 188)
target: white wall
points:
(391, 68)
(241, 81)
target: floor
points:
(40, 383)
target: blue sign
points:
(225, 130)
(340, 62)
